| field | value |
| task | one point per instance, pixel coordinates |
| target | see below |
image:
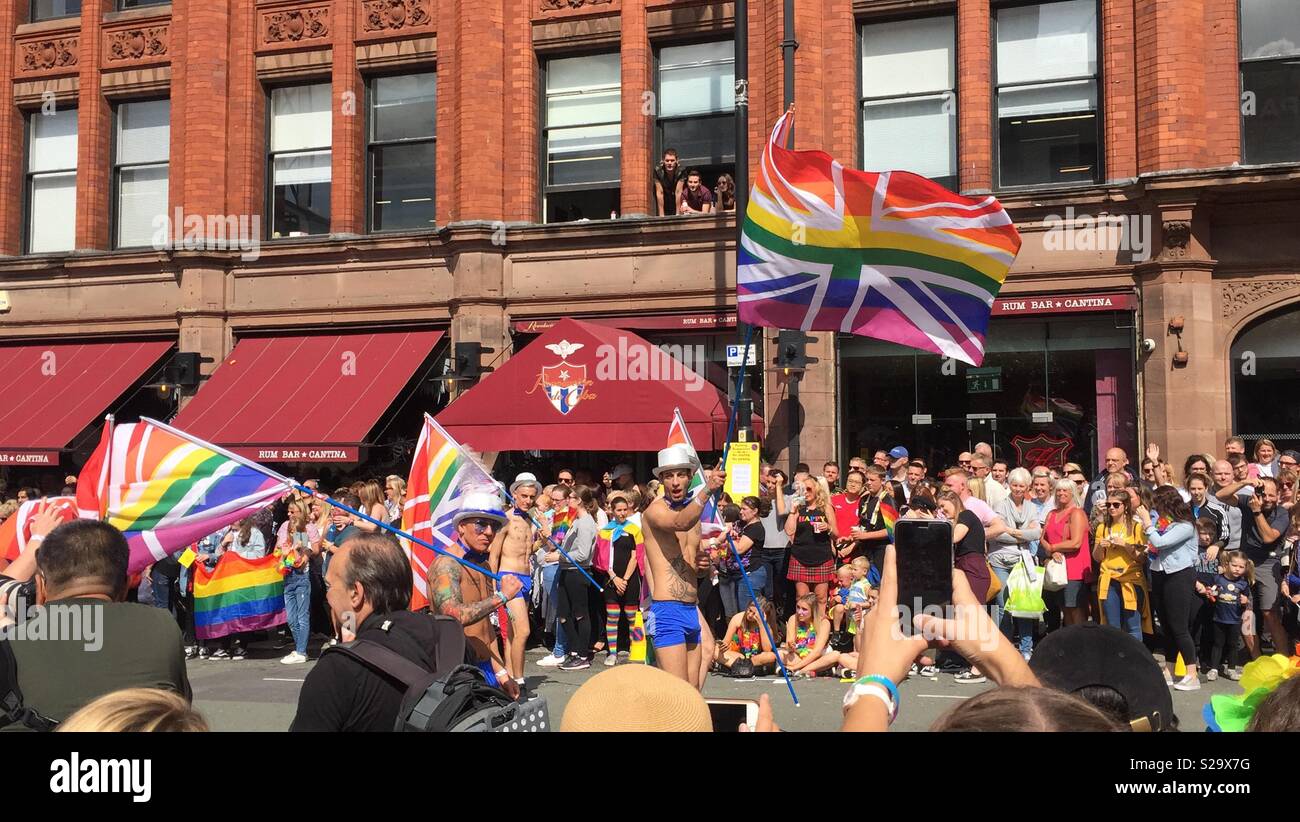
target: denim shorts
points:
(1076, 593)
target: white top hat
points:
(525, 479)
(480, 504)
(674, 457)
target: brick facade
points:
(1170, 111)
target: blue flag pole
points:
(726, 447)
(398, 531)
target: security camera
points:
(1148, 345)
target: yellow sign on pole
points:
(742, 470)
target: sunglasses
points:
(481, 525)
(1080, 483)
(1114, 505)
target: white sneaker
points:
(1188, 683)
(611, 660)
(551, 661)
(293, 658)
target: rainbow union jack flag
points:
(889, 255)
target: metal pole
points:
(788, 46)
(742, 157)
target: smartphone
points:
(925, 561)
(727, 714)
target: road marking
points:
(940, 696)
(277, 679)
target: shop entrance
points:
(1047, 393)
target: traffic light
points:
(466, 362)
(183, 370)
(791, 351)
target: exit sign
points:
(983, 380)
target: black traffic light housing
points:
(184, 370)
(792, 351)
(466, 362)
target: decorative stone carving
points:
(384, 15)
(1241, 295)
(44, 55)
(1177, 236)
(559, 5)
(296, 25)
(136, 44)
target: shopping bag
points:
(1054, 577)
(1025, 590)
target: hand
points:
(46, 521)
(1153, 452)
(715, 479)
(620, 585)
(1296, 599)
(765, 721)
(508, 685)
(1256, 504)
(511, 585)
(702, 561)
(551, 556)
(820, 527)
(1212, 553)
(846, 550)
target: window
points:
(697, 108)
(1270, 81)
(50, 9)
(52, 181)
(140, 170)
(402, 151)
(1047, 94)
(581, 138)
(300, 160)
(909, 105)
(137, 4)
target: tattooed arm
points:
(444, 587)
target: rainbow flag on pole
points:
(238, 595)
(710, 520)
(167, 490)
(438, 472)
(890, 255)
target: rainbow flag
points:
(889, 255)
(238, 595)
(167, 490)
(710, 520)
(439, 472)
(888, 516)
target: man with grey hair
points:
(511, 553)
(369, 594)
(994, 492)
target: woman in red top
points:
(1065, 537)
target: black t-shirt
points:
(809, 547)
(342, 694)
(669, 183)
(758, 535)
(973, 542)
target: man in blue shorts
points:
(671, 528)
(511, 553)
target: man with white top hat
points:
(671, 529)
(511, 555)
(466, 594)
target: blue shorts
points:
(526, 579)
(676, 623)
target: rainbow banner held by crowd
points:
(890, 255)
(167, 490)
(439, 470)
(238, 595)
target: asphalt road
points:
(260, 694)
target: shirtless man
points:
(671, 528)
(466, 594)
(512, 551)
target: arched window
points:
(1266, 379)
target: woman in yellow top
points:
(1120, 546)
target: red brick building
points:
(419, 165)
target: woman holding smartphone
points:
(1172, 556)
(812, 530)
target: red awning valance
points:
(586, 387)
(304, 398)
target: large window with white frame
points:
(909, 98)
(299, 164)
(581, 138)
(52, 180)
(1270, 81)
(697, 107)
(402, 154)
(1048, 126)
(141, 165)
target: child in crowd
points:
(840, 599)
(1231, 592)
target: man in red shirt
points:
(847, 506)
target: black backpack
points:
(12, 710)
(454, 696)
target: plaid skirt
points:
(798, 572)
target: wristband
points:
(501, 595)
(871, 689)
(35, 538)
(886, 683)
